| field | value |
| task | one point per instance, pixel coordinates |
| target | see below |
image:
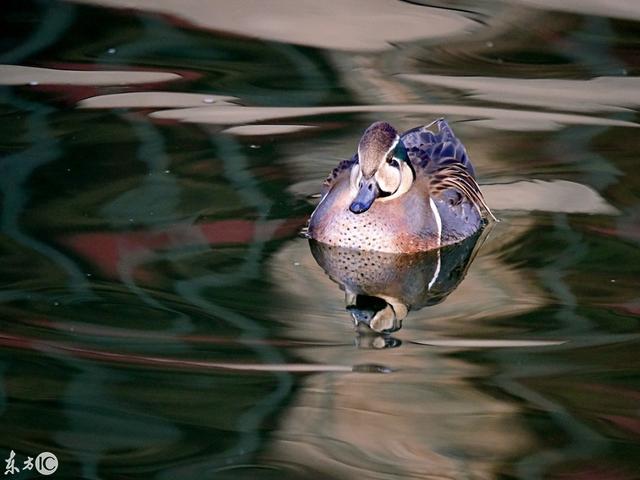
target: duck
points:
(381, 289)
(401, 193)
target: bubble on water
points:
(167, 171)
(253, 145)
(111, 51)
(208, 100)
(34, 83)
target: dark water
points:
(161, 317)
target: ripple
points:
(153, 100)
(169, 363)
(623, 9)
(547, 196)
(259, 130)
(505, 119)
(22, 75)
(601, 94)
(306, 23)
(487, 343)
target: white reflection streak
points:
(237, 115)
(23, 75)
(487, 343)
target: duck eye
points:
(393, 162)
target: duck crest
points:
(401, 193)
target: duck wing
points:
(458, 178)
(427, 149)
(441, 156)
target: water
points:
(162, 317)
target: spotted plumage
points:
(401, 193)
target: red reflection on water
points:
(108, 250)
(626, 423)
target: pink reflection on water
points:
(108, 250)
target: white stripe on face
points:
(392, 147)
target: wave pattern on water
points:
(161, 318)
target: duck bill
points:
(367, 194)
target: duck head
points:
(383, 171)
(382, 314)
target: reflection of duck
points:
(381, 288)
(401, 193)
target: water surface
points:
(162, 317)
